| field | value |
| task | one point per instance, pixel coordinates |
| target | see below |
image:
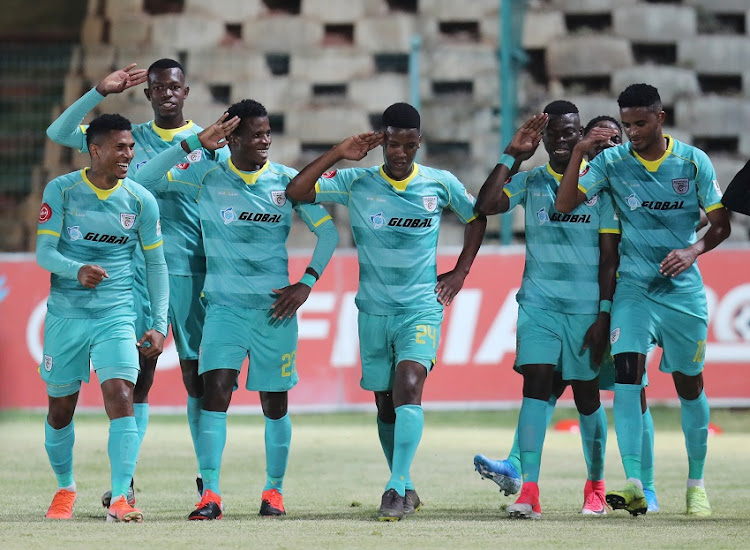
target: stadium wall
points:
(475, 358)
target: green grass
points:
(336, 476)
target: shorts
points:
(187, 313)
(545, 337)
(69, 344)
(231, 334)
(677, 322)
(387, 340)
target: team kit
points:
(174, 225)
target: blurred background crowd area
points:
(326, 69)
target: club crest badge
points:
(430, 203)
(278, 198)
(614, 336)
(47, 363)
(195, 156)
(127, 220)
(592, 201)
(681, 185)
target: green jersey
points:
(395, 226)
(659, 205)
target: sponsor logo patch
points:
(45, 213)
(681, 185)
(378, 220)
(633, 201)
(127, 220)
(75, 233)
(542, 215)
(137, 166)
(228, 215)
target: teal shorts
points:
(677, 322)
(187, 313)
(69, 344)
(387, 340)
(545, 337)
(231, 334)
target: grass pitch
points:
(337, 474)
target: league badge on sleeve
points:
(127, 220)
(278, 198)
(681, 185)
(45, 213)
(430, 203)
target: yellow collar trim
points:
(103, 194)
(168, 135)
(400, 185)
(653, 165)
(248, 177)
(557, 176)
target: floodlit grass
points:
(336, 476)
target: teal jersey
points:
(395, 226)
(659, 206)
(245, 218)
(561, 272)
(96, 226)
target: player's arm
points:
(67, 130)
(737, 195)
(569, 194)
(290, 298)
(302, 186)
(151, 342)
(450, 283)
(680, 259)
(491, 198)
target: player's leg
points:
(647, 455)
(278, 436)
(593, 425)
(59, 437)
(386, 419)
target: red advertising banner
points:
(475, 358)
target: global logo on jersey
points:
(228, 215)
(45, 213)
(633, 201)
(378, 220)
(127, 220)
(591, 201)
(681, 185)
(430, 203)
(278, 198)
(542, 216)
(75, 233)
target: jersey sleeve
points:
(67, 128)
(609, 222)
(709, 192)
(459, 199)
(49, 227)
(156, 171)
(515, 189)
(593, 177)
(335, 185)
(150, 226)
(319, 221)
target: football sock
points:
(515, 452)
(532, 426)
(594, 440)
(211, 440)
(629, 427)
(385, 433)
(122, 448)
(194, 407)
(406, 436)
(278, 436)
(141, 411)
(647, 452)
(695, 414)
(59, 445)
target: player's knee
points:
(386, 410)
(274, 404)
(627, 369)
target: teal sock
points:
(647, 452)
(532, 426)
(194, 407)
(695, 415)
(212, 437)
(122, 448)
(278, 437)
(141, 411)
(59, 445)
(594, 440)
(629, 427)
(407, 433)
(385, 433)
(515, 451)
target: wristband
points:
(308, 279)
(507, 160)
(605, 306)
(193, 142)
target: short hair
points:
(401, 115)
(561, 107)
(640, 95)
(165, 63)
(246, 109)
(104, 124)
(596, 120)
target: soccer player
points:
(246, 217)
(90, 224)
(506, 473)
(563, 297)
(395, 211)
(737, 195)
(659, 185)
(183, 249)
